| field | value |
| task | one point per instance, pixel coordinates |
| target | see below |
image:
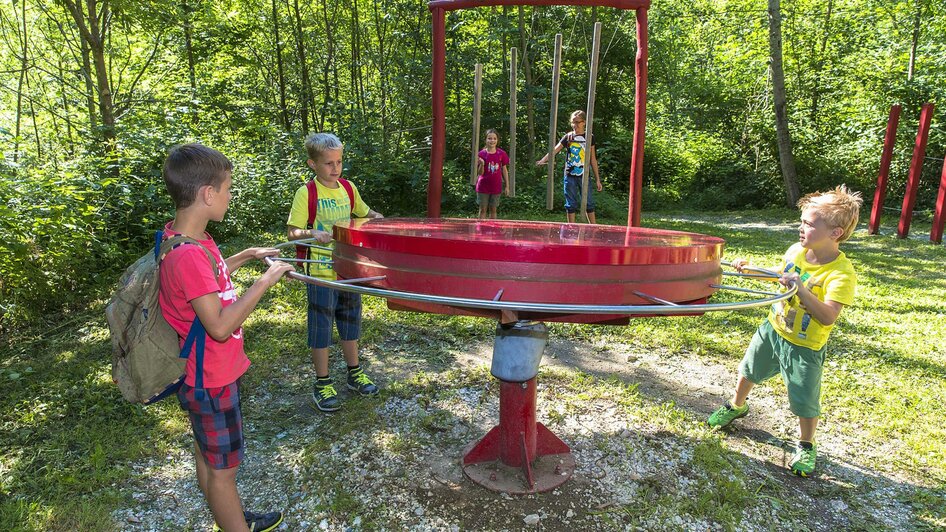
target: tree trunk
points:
(786, 160)
(93, 34)
(283, 110)
(381, 28)
(329, 62)
(916, 39)
(303, 68)
(189, 48)
(357, 84)
(89, 85)
(505, 33)
(19, 90)
(530, 103)
(819, 66)
(65, 110)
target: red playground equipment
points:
(439, 8)
(515, 272)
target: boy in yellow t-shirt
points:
(792, 341)
(337, 200)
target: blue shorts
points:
(217, 422)
(573, 194)
(327, 305)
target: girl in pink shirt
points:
(493, 167)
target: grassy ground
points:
(69, 443)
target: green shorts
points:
(489, 200)
(769, 354)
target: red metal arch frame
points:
(438, 139)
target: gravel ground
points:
(392, 463)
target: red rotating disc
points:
(532, 262)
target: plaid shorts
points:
(327, 305)
(217, 423)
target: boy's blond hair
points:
(839, 208)
(579, 114)
(318, 143)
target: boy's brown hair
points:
(189, 167)
(839, 208)
(579, 114)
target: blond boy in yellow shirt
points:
(792, 341)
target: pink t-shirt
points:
(186, 274)
(491, 182)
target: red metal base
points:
(519, 455)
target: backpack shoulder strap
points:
(197, 334)
(173, 242)
(313, 202)
(351, 195)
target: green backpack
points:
(148, 363)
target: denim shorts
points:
(217, 422)
(769, 354)
(327, 305)
(573, 194)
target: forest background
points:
(93, 94)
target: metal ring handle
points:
(552, 308)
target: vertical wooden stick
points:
(477, 94)
(513, 65)
(553, 124)
(589, 118)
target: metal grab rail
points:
(661, 308)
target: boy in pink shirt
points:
(199, 180)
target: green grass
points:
(67, 439)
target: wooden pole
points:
(477, 94)
(553, 124)
(889, 139)
(589, 118)
(439, 127)
(640, 118)
(916, 168)
(939, 216)
(513, 65)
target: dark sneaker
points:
(726, 415)
(803, 463)
(325, 397)
(359, 382)
(259, 522)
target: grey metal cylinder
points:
(517, 350)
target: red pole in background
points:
(439, 129)
(936, 233)
(640, 114)
(881, 193)
(916, 168)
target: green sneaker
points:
(726, 415)
(359, 382)
(325, 397)
(803, 463)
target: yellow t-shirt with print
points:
(834, 281)
(333, 206)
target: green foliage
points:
(74, 211)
